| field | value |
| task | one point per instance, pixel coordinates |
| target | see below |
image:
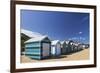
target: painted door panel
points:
(58, 49)
(53, 50)
(46, 49)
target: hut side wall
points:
(63, 48)
(33, 50)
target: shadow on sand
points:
(73, 52)
(55, 57)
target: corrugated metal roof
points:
(54, 42)
(36, 39)
(30, 33)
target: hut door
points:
(46, 50)
(58, 49)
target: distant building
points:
(26, 35)
(55, 48)
(38, 47)
(23, 39)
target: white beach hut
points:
(55, 48)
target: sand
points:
(80, 55)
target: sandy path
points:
(81, 55)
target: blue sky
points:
(57, 25)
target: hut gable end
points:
(46, 39)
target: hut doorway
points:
(46, 49)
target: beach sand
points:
(80, 55)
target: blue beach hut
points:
(38, 47)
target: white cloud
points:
(77, 38)
(81, 38)
(80, 32)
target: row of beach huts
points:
(41, 47)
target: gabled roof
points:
(30, 33)
(54, 42)
(36, 39)
(62, 42)
(67, 42)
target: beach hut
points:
(76, 46)
(86, 46)
(55, 48)
(81, 46)
(38, 47)
(67, 49)
(63, 47)
(71, 46)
